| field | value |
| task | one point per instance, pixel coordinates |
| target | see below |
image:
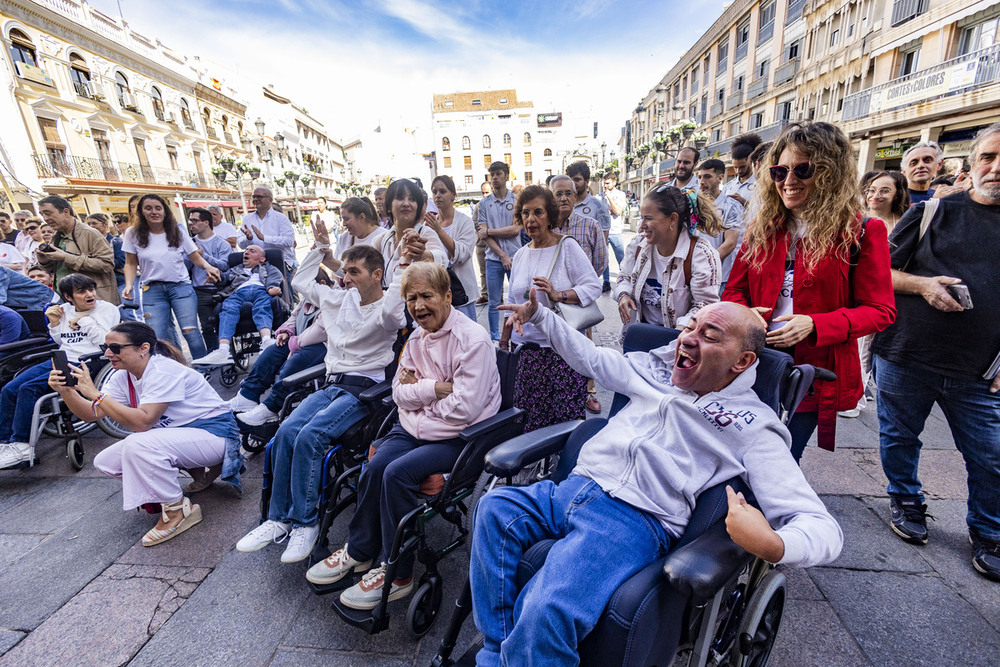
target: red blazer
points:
(840, 317)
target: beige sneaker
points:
(335, 567)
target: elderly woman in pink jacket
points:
(447, 380)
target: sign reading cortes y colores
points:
(925, 86)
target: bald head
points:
(719, 342)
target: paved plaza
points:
(77, 588)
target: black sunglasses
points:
(803, 171)
(31, 229)
(116, 348)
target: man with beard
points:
(684, 176)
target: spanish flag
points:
(217, 84)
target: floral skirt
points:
(548, 390)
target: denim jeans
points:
(263, 316)
(130, 314)
(387, 491)
(601, 543)
(494, 286)
(906, 395)
(17, 401)
(207, 316)
(298, 449)
(160, 298)
(469, 310)
(616, 247)
(272, 366)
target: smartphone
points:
(960, 293)
(61, 363)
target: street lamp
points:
(293, 177)
(604, 147)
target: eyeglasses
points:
(885, 192)
(116, 348)
(803, 171)
(31, 229)
(259, 197)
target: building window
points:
(172, 155)
(506, 140)
(486, 141)
(124, 94)
(449, 103)
(502, 100)
(80, 74)
(908, 61)
(487, 159)
(722, 60)
(21, 48)
(706, 64)
(762, 68)
(694, 81)
(158, 103)
(742, 40)
(527, 159)
(785, 111)
(547, 152)
(506, 158)
(720, 95)
(468, 182)
(468, 163)
(756, 120)
(792, 52)
(445, 144)
(834, 37)
(528, 178)
(186, 114)
(527, 138)
(477, 103)
(716, 135)
(978, 37)
(466, 144)
(734, 127)
(766, 25)
(738, 83)
(794, 12)
(54, 146)
(684, 87)
(904, 10)
(447, 163)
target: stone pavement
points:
(77, 588)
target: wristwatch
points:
(562, 297)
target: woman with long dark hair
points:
(814, 270)
(177, 420)
(405, 204)
(156, 245)
(457, 234)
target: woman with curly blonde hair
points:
(814, 269)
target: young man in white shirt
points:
(222, 227)
(710, 174)
(268, 228)
(616, 202)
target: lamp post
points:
(236, 170)
(293, 177)
(604, 148)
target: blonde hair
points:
(435, 275)
(832, 214)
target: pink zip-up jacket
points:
(459, 352)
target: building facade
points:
(890, 72)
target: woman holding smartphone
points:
(457, 234)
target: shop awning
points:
(202, 203)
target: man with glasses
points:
(20, 220)
(215, 250)
(32, 234)
(267, 228)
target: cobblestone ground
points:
(77, 588)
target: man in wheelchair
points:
(255, 282)
(692, 421)
(361, 327)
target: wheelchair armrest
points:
(39, 356)
(93, 356)
(308, 375)
(26, 344)
(470, 433)
(824, 375)
(508, 458)
(376, 393)
(701, 567)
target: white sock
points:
(224, 347)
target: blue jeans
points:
(494, 286)
(469, 310)
(272, 366)
(616, 247)
(298, 449)
(258, 297)
(131, 314)
(17, 401)
(601, 543)
(906, 395)
(387, 492)
(160, 299)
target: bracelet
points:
(401, 264)
(97, 401)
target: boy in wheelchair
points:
(256, 281)
(78, 326)
(692, 421)
(361, 327)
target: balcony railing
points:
(904, 10)
(210, 131)
(786, 72)
(767, 133)
(715, 110)
(795, 8)
(951, 77)
(757, 87)
(228, 137)
(69, 166)
(188, 123)
(734, 100)
(765, 33)
(741, 51)
(82, 89)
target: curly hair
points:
(533, 192)
(170, 227)
(670, 200)
(832, 214)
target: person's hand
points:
(321, 233)
(54, 255)
(281, 339)
(127, 292)
(761, 312)
(73, 322)
(412, 246)
(521, 313)
(937, 295)
(442, 389)
(407, 376)
(750, 529)
(962, 183)
(84, 383)
(739, 198)
(507, 262)
(995, 385)
(798, 329)
(274, 291)
(246, 230)
(626, 306)
(481, 233)
(212, 274)
(256, 232)
(57, 382)
(545, 285)
(55, 315)
(431, 220)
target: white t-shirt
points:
(225, 230)
(158, 261)
(652, 291)
(347, 240)
(9, 254)
(187, 393)
(88, 336)
(784, 304)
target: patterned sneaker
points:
(909, 519)
(264, 534)
(335, 567)
(985, 556)
(367, 593)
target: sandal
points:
(192, 517)
(201, 480)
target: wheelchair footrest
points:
(364, 619)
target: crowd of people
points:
(874, 280)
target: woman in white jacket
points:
(457, 234)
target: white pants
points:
(147, 463)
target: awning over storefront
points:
(230, 203)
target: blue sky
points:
(354, 63)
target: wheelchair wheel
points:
(761, 620)
(424, 607)
(74, 450)
(53, 428)
(483, 484)
(107, 424)
(253, 444)
(229, 375)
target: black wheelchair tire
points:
(253, 444)
(761, 622)
(229, 375)
(74, 450)
(424, 607)
(107, 424)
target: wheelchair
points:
(246, 340)
(13, 354)
(726, 605)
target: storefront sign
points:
(890, 153)
(925, 86)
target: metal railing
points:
(741, 51)
(82, 89)
(210, 131)
(228, 137)
(757, 87)
(904, 10)
(734, 100)
(964, 73)
(715, 110)
(188, 123)
(786, 71)
(70, 166)
(765, 33)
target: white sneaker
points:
(264, 534)
(219, 357)
(12, 453)
(266, 343)
(300, 544)
(335, 567)
(240, 403)
(259, 415)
